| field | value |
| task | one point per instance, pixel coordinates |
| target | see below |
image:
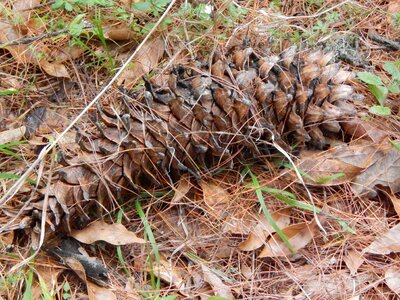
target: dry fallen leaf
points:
(392, 279)
(115, 234)
(385, 172)
(96, 292)
(353, 261)
(146, 59)
(12, 135)
(299, 235)
(395, 201)
(387, 243)
(357, 128)
(166, 269)
(216, 198)
(77, 267)
(54, 69)
(325, 169)
(120, 33)
(46, 275)
(263, 229)
(182, 189)
(219, 288)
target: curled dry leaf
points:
(353, 261)
(48, 276)
(75, 265)
(358, 128)
(70, 253)
(219, 288)
(385, 171)
(325, 169)
(169, 273)
(387, 243)
(299, 235)
(120, 33)
(96, 292)
(115, 234)
(146, 59)
(395, 201)
(216, 198)
(182, 189)
(166, 269)
(54, 69)
(339, 165)
(263, 229)
(12, 135)
(392, 279)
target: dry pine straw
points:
(253, 277)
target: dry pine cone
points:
(202, 120)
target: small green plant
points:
(381, 88)
(321, 27)
(70, 5)
(154, 7)
(77, 25)
(316, 4)
(396, 19)
(66, 291)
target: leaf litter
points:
(115, 234)
(230, 227)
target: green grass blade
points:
(290, 199)
(15, 176)
(12, 144)
(9, 92)
(150, 235)
(260, 197)
(119, 249)
(28, 294)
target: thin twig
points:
(35, 38)
(14, 189)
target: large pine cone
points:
(202, 120)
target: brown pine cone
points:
(202, 121)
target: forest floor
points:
(320, 225)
